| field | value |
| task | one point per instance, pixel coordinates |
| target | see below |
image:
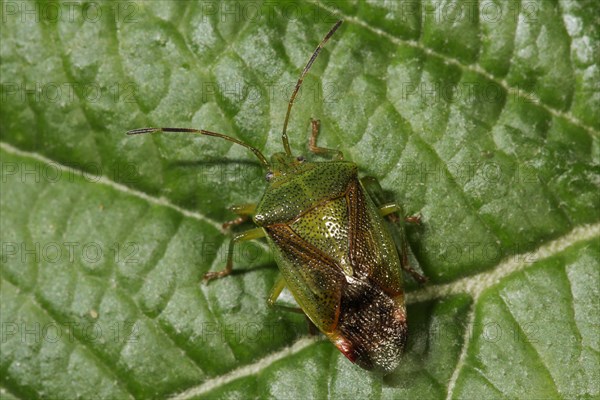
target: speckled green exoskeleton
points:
(326, 229)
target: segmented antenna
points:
(256, 152)
(284, 136)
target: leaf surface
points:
(481, 116)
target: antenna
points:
(256, 152)
(284, 136)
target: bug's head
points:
(283, 164)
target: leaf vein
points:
(476, 284)
(529, 97)
(103, 180)
(532, 348)
(572, 313)
(473, 285)
(100, 361)
(246, 370)
(463, 354)
(488, 381)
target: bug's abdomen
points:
(371, 329)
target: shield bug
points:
(326, 229)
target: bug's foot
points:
(234, 222)
(413, 219)
(393, 218)
(421, 279)
(209, 276)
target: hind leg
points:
(394, 212)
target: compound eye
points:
(300, 159)
(269, 176)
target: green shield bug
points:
(326, 229)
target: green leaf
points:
(481, 116)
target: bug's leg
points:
(251, 234)
(312, 328)
(376, 193)
(312, 143)
(374, 189)
(394, 211)
(413, 219)
(244, 211)
(276, 291)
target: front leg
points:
(251, 234)
(312, 143)
(276, 291)
(244, 211)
